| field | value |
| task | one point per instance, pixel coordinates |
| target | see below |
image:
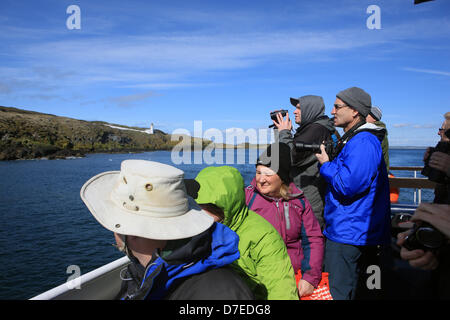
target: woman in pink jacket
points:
(279, 201)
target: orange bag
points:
(394, 192)
(322, 292)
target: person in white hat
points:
(176, 249)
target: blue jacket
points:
(357, 202)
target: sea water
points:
(46, 229)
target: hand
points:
(438, 215)
(323, 156)
(281, 123)
(426, 154)
(440, 161)
(417, 258)
(305, 288)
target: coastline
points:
(69, 154)
(75, 154)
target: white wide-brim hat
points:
(146, 199)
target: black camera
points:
(315, 148)
(434, 174)
(273, 115)
(425, 237)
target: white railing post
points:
(415, 190)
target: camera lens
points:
(429, 237)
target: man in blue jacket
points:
(357, 204)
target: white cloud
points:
(163, 59)
(415, 126)
(160, 57)
(438, 72)
(424, 126)
(128, 100)
(401, 125)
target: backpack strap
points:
(303, 202)
(251, 201)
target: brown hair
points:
(215, 210)
(446, 124)
(447, 115)
(285, 191)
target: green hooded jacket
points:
(264, 262)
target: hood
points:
(311, 107)
(378, 131)
(380, 124)
(323, 120)
(326, 122)
(223, 187)
(212, 249)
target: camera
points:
(434, 174)
(425, 237)
(315, 148)
(273, 115)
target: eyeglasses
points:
(441, 129)
(339, 106)
(266, 173)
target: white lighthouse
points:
(150, 131)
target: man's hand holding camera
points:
(438, 215)
(323, 156)
(281, 123)
(440, 161)
(286, 124)
(418, 258)
(435, 214)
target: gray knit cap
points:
(376, 113)
(357, 99)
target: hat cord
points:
(124, 247)
(122, 277)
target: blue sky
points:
(226, 63)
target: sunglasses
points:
(339, 106)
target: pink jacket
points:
(297, 225)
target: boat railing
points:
(415, 183)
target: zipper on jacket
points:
(286, 215)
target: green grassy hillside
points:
(28, 135)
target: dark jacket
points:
(442, 193)
(442, 274)
(305, 172)
(193, 268)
